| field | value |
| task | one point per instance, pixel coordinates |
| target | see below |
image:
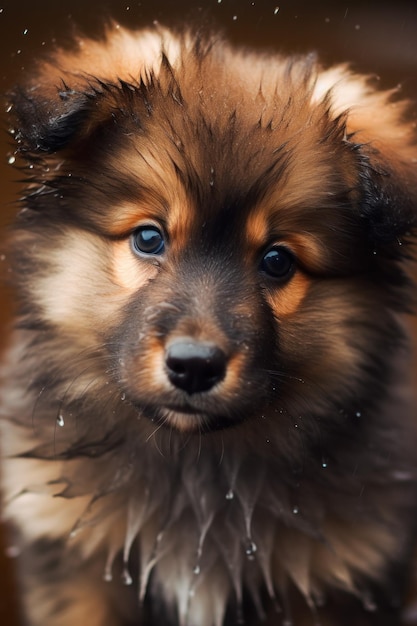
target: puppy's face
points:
(211, 250)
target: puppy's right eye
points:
(148, 240)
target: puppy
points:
(206, 410)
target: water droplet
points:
(126, 577)
(123, 396)
(60, 420)
(9, 108)
(276, 10)
(12, 552)
(296, 510)
(197, 570)
(358, 414)
(230, 495)
(402, 476)
(234, 18)
(268, 441)
(324, 463)
(11, 160)
(251, 549)
(25, 32)
(369, 603)
(107, 576)
(219, 1)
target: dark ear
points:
(48, 124)
(389, 201)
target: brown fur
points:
(284, 490)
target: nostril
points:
(194, 366)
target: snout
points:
(197, 362)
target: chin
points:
(207, 396)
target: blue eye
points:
(148, 240)
(278, 262)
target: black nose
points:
(194, 366)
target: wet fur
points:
(290, 491)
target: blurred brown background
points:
(376, 37)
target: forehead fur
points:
(182, 124)
(154, 103)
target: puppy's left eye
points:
(148, 240)
(278, 262)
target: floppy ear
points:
(48, 125)
(60, 101)
(379, 129)
(389, 200)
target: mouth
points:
(188, 420)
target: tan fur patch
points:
(130, 272)
(287, 299)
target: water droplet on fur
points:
(230, 495)
(11, 160)
(295, 510)
(107, 576)
(358, 414)
(126, 577)
(25, 32)
(123, 396)
(276, 10)
(234, 18)
(197, 570)
(251, 549)
(12, 552)
(402, 476)
(369, 603)
(324, 463)
(60, 420)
